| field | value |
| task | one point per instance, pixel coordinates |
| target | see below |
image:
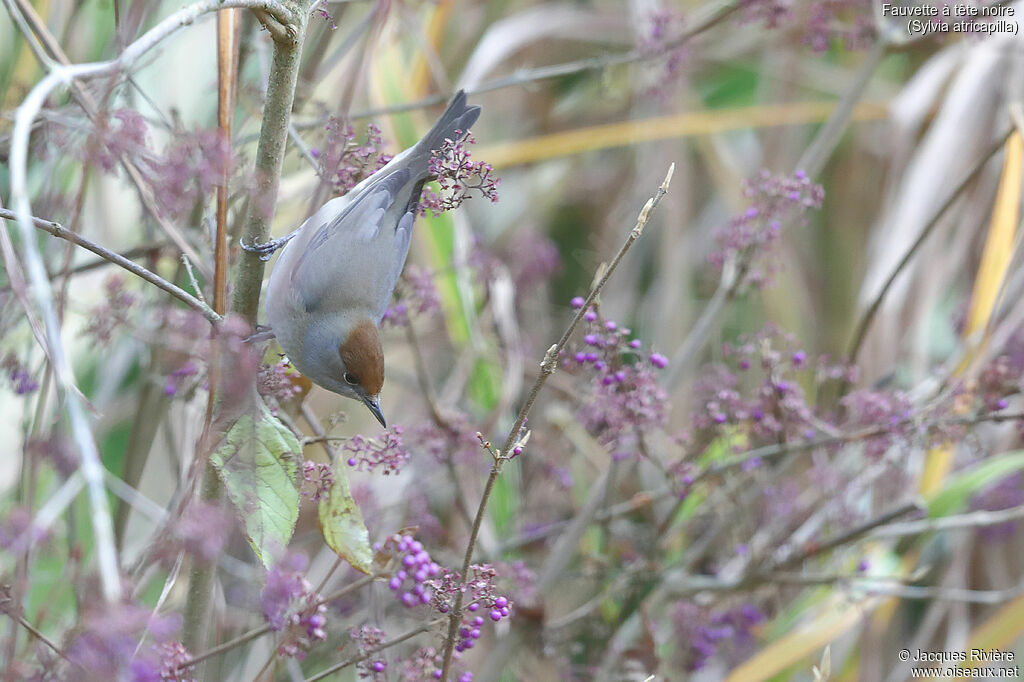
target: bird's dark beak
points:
(373, 402)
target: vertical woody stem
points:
(248, 276)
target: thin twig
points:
(526, 76)
(44, 639)
(58, 230)
(264, 629)
(377, 649)
(281, 32)
(89, 104)
(869, 315)
(547, 368)
(971, 520)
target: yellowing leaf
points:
(995, 260)
(342, 524)
(803, 642)
(258, 463)
(626, 133)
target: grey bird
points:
(332, 283)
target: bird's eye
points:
(351, 378)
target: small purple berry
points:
(395, 584)
(581, 357)
(504, 611)
(495, 615)
(478, 621)
(473, 607)
(590, 316)
(610, 325)
(500, 602)
(577, 302)
(659, 360)
(635, 343)
(352, 461)
(378, 666)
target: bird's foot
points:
(265, 250)
(262, 333)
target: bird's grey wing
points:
(351, 255)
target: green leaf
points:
(342, 524)
(258, 463)
(958, 490)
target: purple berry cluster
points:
(21, 380)
(279, 382)
(624, 396)
(115, 311)
(201, 532)
(749, 237)
(292, 607)
(317, 480)
(817, 24)
(387, 452)
(453, 441)
(416, 293)
(179, 378)
(174, 660)
(411, 582)
(107, 647)
(369, 639)
(344, 163)
(457, 176)
(482, 603)
(727, 632)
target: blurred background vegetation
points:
(894, 124)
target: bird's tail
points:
(457, 116)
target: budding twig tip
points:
(668, 177)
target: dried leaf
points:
(342, 524)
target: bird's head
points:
(362, 365)
(350, 363)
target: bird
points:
(331, 286)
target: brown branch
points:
(58, 230)
(547, 368)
